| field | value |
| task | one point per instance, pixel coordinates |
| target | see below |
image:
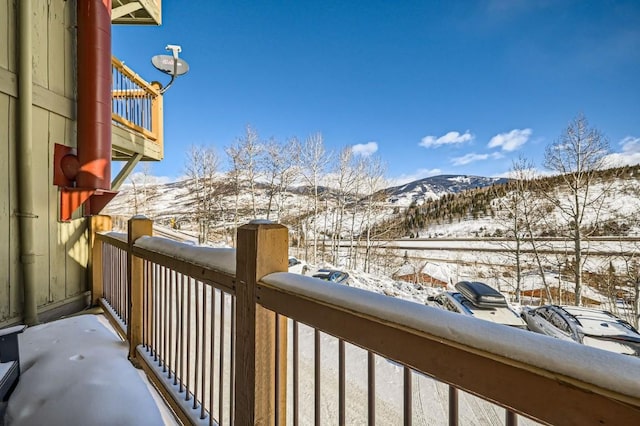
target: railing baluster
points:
(115, 303)
(204, 350)
(371, 379)
(453, 406)
(188, 353)
(170, 298)
(182, 333)
(106, 272)
(126, 306)
(165, 309)
(341, 383)
(408, 400)
(212, 361)
(316, 362)
(117, 276)
(276, 367)
(221, 366)
(295, 373)
(178, 329)
(145, 306)
(232, 357)
(197, 348)
(511, 418)
(156, 312)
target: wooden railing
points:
(232, 338)
(135, 104)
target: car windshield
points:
(600, 323)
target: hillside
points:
(446, 205)
(435, 187)
(488, 211)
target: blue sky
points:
(432, 87)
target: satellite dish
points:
(166, 64)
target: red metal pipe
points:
(94, 94)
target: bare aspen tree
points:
(374, 182)
(234, 177)
(313, 161)
(280, 166)
(577, 156)
(271, 164)
(519, 213)
(344, 183)
(531, 213)
(509, 214)
(249, 152)
(134, 181)
(201, 167)
(358, 184)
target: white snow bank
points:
(75, 371)
(617, 373)
(218, 259)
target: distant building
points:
(423, 276)
(566, 298)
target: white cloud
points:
(630, 154)
(365, 149)
(417, 175)
(448, 139)
(473, 157)
(510, 141)
(630, 144)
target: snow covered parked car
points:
(478, 300)
(332, 275)
(591, 327)
(293, 261)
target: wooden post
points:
(138, 226)
(98, 223)
(262, 249)
(157, 117)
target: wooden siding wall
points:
(61, 248)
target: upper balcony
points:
(137, 114)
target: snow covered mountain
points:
(436, 186)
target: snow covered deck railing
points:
(212, 328)
(546, 379)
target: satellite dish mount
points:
(170, 64)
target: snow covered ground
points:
(75, 371)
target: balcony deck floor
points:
(76, 371)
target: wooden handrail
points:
(125, 70)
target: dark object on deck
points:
(9, 360)
(481, 294)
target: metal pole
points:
(26, 215)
